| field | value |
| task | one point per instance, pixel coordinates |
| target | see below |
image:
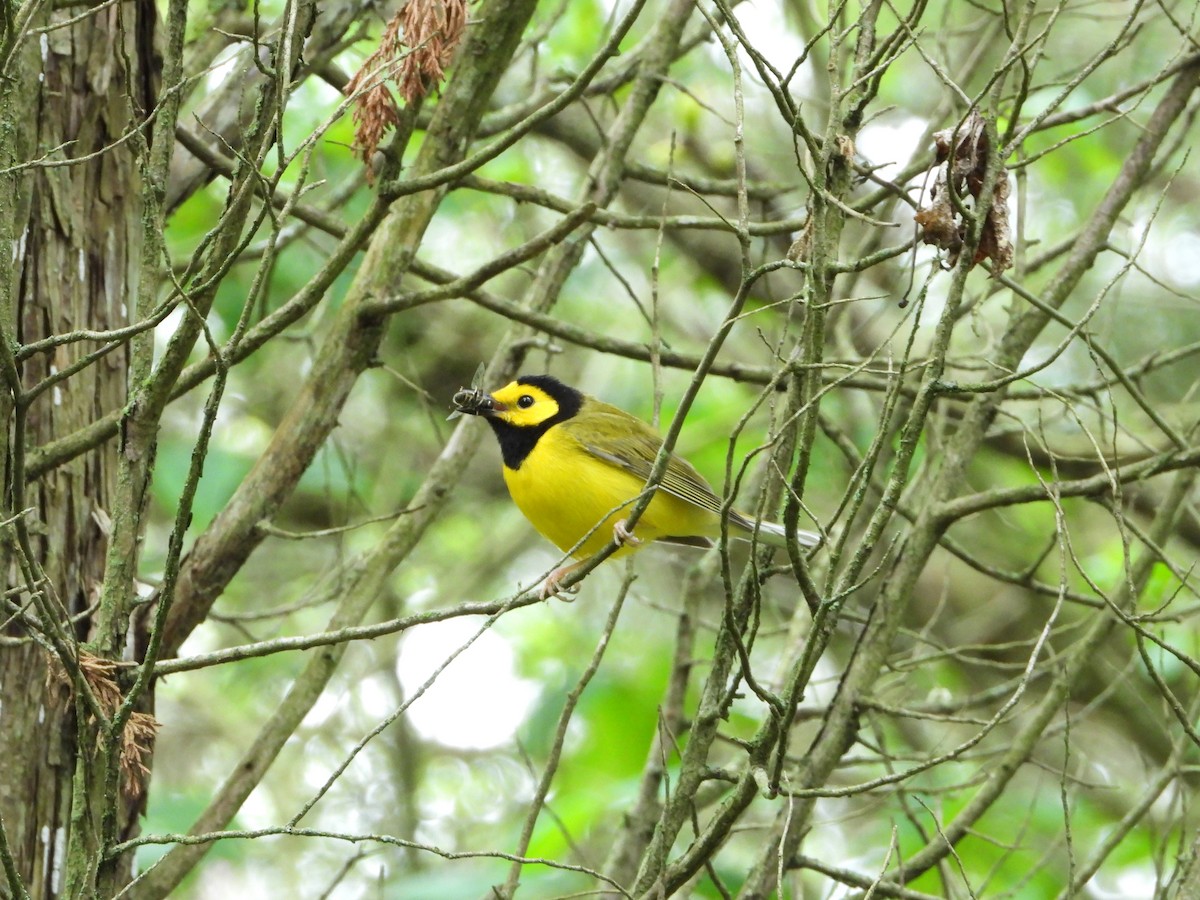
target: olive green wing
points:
(611, 434)
(616, 437)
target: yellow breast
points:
(566, 492)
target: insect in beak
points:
(473, 401)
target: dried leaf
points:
(375, 111)
(414, 51)
(137, 738)
(960, 157)
(137, 746)
(995, 242)
(100, 675)
(938, 226)
(432, 31)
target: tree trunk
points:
(75, 233)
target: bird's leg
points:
(622, 535)
(550, 587)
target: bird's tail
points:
(773, 534)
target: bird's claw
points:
(551, 586)
(622, 535)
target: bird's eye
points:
(525, 401)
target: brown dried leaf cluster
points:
(137, 739)
(374, 107)
(961, 162)
(375, 115)
(417, 46)
(432, 30)
(137, 743)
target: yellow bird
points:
(573, 464)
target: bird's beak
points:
(490, 406)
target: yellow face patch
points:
(523, 405)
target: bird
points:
(574, 464)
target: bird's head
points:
(532, 401)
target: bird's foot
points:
(551, 587)
(622, 535)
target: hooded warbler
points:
(573, 463)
